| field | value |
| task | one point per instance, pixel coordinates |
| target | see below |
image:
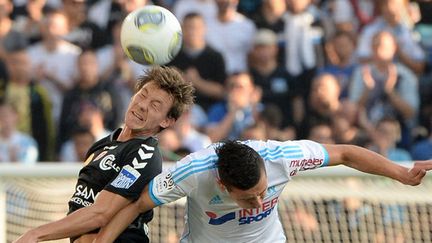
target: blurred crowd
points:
(333, 71)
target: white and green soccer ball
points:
(151, 35)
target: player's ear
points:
(167, 122)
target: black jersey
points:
(123, 168)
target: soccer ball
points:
(151, 35)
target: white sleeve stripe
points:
(196, 170)
(184, 169)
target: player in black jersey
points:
(119, 166)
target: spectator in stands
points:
(53, 60)
(32, 102)
(14, 145)
(353, 15)
(306, 28)
(189, 136)
(7, 28)
(81, 31)
(75, 150)
(201, 64)
(423, 149)
(323, 103)
(256, 131)
(270, 16)
(229, 118)
(89, 89)
(28, 19)
(232, 35)
(385, 137)
(4, 79)
(408, 51)
(340, 54)
(278, 87)
(206, 8)
(271, 118)
(116, 69)
(384, 87)
(321, 133)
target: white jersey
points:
(211, 215)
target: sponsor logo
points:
(143, 156)
(306, 164)
(80, 201)
(215, 200)
(85, 192)
(126, 178)
(214, 220)
(245, 216)
(107, 163)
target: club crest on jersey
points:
(107, 163)
(126, 178)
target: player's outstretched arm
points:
(107, 204)
(123, 218)
(370, 162)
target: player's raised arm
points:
(124, 217)
(370, 162)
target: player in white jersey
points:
(232, 189)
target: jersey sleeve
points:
(295, 155)
(140, 164)
(182, 179)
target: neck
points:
(226, 16)
(127, 134)
(265, 68)
(195, 47)
(51, 44)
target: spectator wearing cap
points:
(278, 87)
(200, 63)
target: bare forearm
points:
(77, 223)
(118, 224)
(210, 88)
(370, 162)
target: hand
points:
(391, 79)
(367, 78)
(192, 75)
(417, 172)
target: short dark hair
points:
(170, 80)
(239, 165)
(192, 15)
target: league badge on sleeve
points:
(126, 178)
